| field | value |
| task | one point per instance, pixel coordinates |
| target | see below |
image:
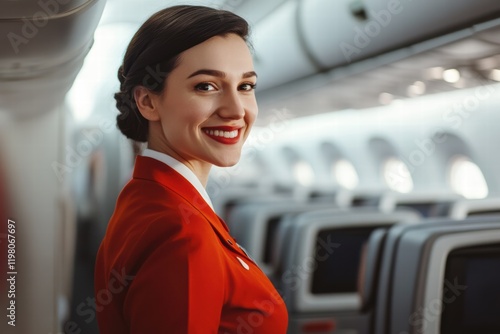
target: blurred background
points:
(357, 98)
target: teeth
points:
(220, 133)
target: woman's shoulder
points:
(149, 216)
(157, 201)
(149, 207)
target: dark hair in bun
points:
(154, 51)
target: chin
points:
(228, 162)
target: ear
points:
(146, 103)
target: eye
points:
(205, 87)
(247, 86)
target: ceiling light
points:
(417, 88)
(434, 73)
(451, 75)
(495, 74)
(385, 98)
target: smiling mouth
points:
(224, 135)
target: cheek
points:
(252, 112)
(189, 114)
(196, 111)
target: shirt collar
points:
(180, 168)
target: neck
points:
(200, 168)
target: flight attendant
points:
(168, 263)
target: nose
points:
(231, 106)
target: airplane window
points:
(473, 307)
(397, 176)
(303, 173)
(467, 179)
(345, 174)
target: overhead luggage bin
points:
(279, 55)
(331, 34)
(21, 9)
(43, 50)
(385, 25)
(45, 34)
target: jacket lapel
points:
(157, 171)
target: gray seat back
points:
(412, 274)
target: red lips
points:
(228, 135)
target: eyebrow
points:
(220, 74)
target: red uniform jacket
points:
(168, 265)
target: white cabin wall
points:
(480, 130)
(30, 145)
(419, 119)
(412, 128)
(421, 131)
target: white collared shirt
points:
(180, 168)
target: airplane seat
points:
(359, 198)
(321, 272)
(322, 196)
(475, 207)
(370, 267)
(284, 236)
(255, 226)
(440, 277)
(235, 206)
(474, 272)
(362, 201)
(326, 192)
(429, 205)
(343, 197)
(225, 200)
(277, 258)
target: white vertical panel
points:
(29, 147)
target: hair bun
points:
(130, 122)
(121, 77)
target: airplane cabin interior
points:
(368, 190)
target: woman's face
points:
(208, 104)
